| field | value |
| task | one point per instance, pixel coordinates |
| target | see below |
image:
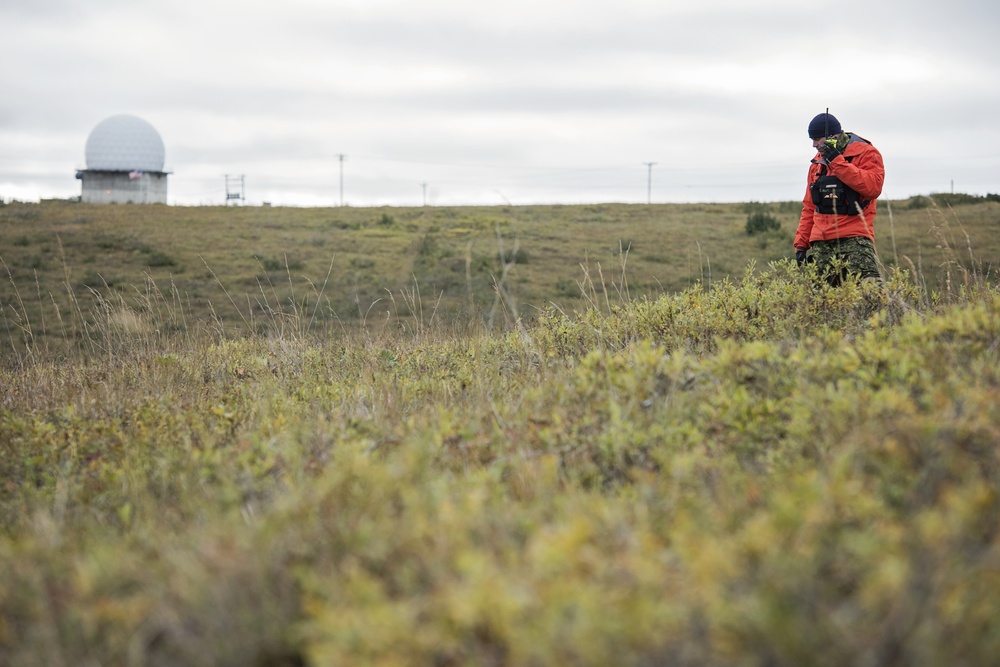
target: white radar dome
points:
(124, 143)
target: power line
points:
(485, 165)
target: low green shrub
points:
(761, 223)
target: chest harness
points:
(831, 196)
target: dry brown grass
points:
(265, 269)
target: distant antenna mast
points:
(649, 182)
(341, 179)
(235, 188)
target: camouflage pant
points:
(837, 258)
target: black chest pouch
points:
(830, 195)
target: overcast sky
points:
(519, 101)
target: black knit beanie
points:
(824, 125)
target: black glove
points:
(830, 149)
(800, 256)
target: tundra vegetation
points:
(601, 435)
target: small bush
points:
(96, 281)
(568, 287)
(623, 248)
(760, 222)
(362, 263)
(343, 224)
(918, 202)
(513, 256)
(280, 263)
(158, 258)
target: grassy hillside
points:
(268, 268)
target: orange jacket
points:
(859, 168)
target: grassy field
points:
(211, 455)
(242, 268)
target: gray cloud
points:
(547, 100)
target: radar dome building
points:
(124, 163)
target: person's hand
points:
(800, 256)
(829, 149)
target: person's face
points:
(818, 141)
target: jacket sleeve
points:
(864, 174)
(804, 230)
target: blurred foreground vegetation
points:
(722, 477)
(760, 471)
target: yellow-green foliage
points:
(763, 472)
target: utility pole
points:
(341, 156)
(424, 186)
(649, 182)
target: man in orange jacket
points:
(838, 211)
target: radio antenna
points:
(826, 123)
